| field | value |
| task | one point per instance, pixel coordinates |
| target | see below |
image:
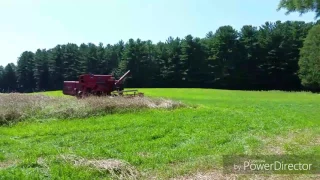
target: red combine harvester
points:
(98, 85)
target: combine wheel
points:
(79, 94)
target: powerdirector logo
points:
(271, 164)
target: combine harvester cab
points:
(98, 85)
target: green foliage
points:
(250, 47)
(193, 62)
(25, 74)
(41, 70)
(172, 66)
(309, 62)
(224, 55)
(8, 78)
(301, 6)
(56, 67)
(1, 77)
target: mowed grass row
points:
(163, 143)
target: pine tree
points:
(301, 6)
(41, 70)
(247, 69)
(193, 62)
(56, 67)
(1, 78)
(223, 56)
(174, 67)
(25, 67)
(9, 78)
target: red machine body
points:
(93, 84)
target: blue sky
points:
(32, 24)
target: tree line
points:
(252, 58)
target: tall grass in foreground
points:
(16, 107)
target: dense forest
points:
(252, 58)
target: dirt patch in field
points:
(118, 169)
(295, 139)
(7, 164)
(317, 141)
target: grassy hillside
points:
(162, 143)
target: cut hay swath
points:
(118, 169)
(16, 107)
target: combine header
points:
(97, 85)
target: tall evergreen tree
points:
(116, 58)
(248, 67)
(71, 61)
(92, 61)
(309, 62)
(224, 54)
(9, 78)
(56, 69)
(174, 67)
(135, 58)
(25, 67)
(2, 86)
(192, 61)
(161, 51)
(41, 70)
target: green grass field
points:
(164, 144)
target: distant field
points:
(165, 143)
